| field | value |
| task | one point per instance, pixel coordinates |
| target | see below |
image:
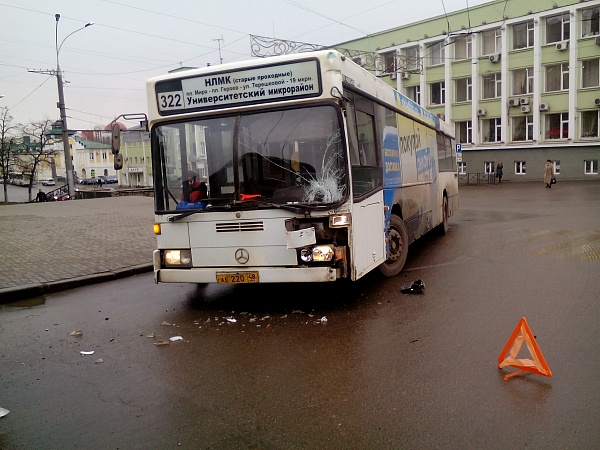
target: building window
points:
(523, 81)
(590, 22)
(463, 47)
(591, 167)
(462, 168)
(522, 128)
(203, 149)
(520, 168)
(488, 167)
(557, 126)
(590, 75)
(463, 89)
(492, 42)
(389, 62)
(491, 130)
(104, 156)
(557, 28)
(557, 77)
(464, 132)
(589, 124)
(492, 85)
(523, 35)
(412, 59)
(438, 93)
(91, 156)
(414, 93)
(436, 53)
(556, 167)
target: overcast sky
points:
(106, 65)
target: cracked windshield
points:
(286, 156)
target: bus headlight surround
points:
(177, 258)
(318, 253)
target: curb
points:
(35, 290)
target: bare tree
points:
(7, 146)
(34, 150)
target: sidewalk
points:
(49, 247)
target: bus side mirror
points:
(118, 161)
(116, 139)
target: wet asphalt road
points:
(386, 370)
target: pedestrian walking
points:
(499, 171)
(549, 174)
(41, 196)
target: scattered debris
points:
(231, 320)
(284, 316)
(3, 412)
(416, 287)
(84, 353)
(151, 335)
(322, 320)
(99, 361)
(164, 322)
(161, 342)
(77, 333)
(176, 338)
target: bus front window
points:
(285, 156)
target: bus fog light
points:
(178, 258)
(306, 254)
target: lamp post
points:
(63, 113)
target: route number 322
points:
(170, 100)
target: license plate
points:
(237, 278)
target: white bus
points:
(314, 169)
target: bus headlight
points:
(318, 253)
(178, 258)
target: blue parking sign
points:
(458, 148)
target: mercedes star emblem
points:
(242, 256)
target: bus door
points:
(368, 243)
(368, 224)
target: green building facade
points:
(518, 80)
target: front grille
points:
(235, 227)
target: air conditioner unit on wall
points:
(441, 116)
(524, 101)
(544, 106)
(393, 75)
(495, 58)
(405, 75)
(481, 112)
(513, 102)
(597, 40)
(525, 109)
(597, 102)
(562, 45)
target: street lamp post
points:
(63, 112)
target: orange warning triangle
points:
(536, 365)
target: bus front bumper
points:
(265, 274)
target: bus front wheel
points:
(443, 227)
(398, 245)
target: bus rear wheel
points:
(398, 245)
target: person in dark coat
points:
(41, 196)
(499, 171)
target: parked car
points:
(49, 182)
(111, 179)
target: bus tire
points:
(443, 226)
(398, 245)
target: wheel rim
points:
(395, 242)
